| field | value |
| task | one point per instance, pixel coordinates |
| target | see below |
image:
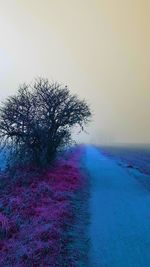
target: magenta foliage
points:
(35, 216)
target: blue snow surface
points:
(119, 228)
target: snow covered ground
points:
(119, 228)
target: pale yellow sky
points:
(100, 48)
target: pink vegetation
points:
(37, 215)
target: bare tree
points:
(37, 121)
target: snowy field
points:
(137, 157)
(90, 209)
(119, 229)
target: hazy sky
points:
(99, 48)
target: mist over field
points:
(100, 49)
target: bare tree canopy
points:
(38, 120)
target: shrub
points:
(37, 121)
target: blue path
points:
(120, 215)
